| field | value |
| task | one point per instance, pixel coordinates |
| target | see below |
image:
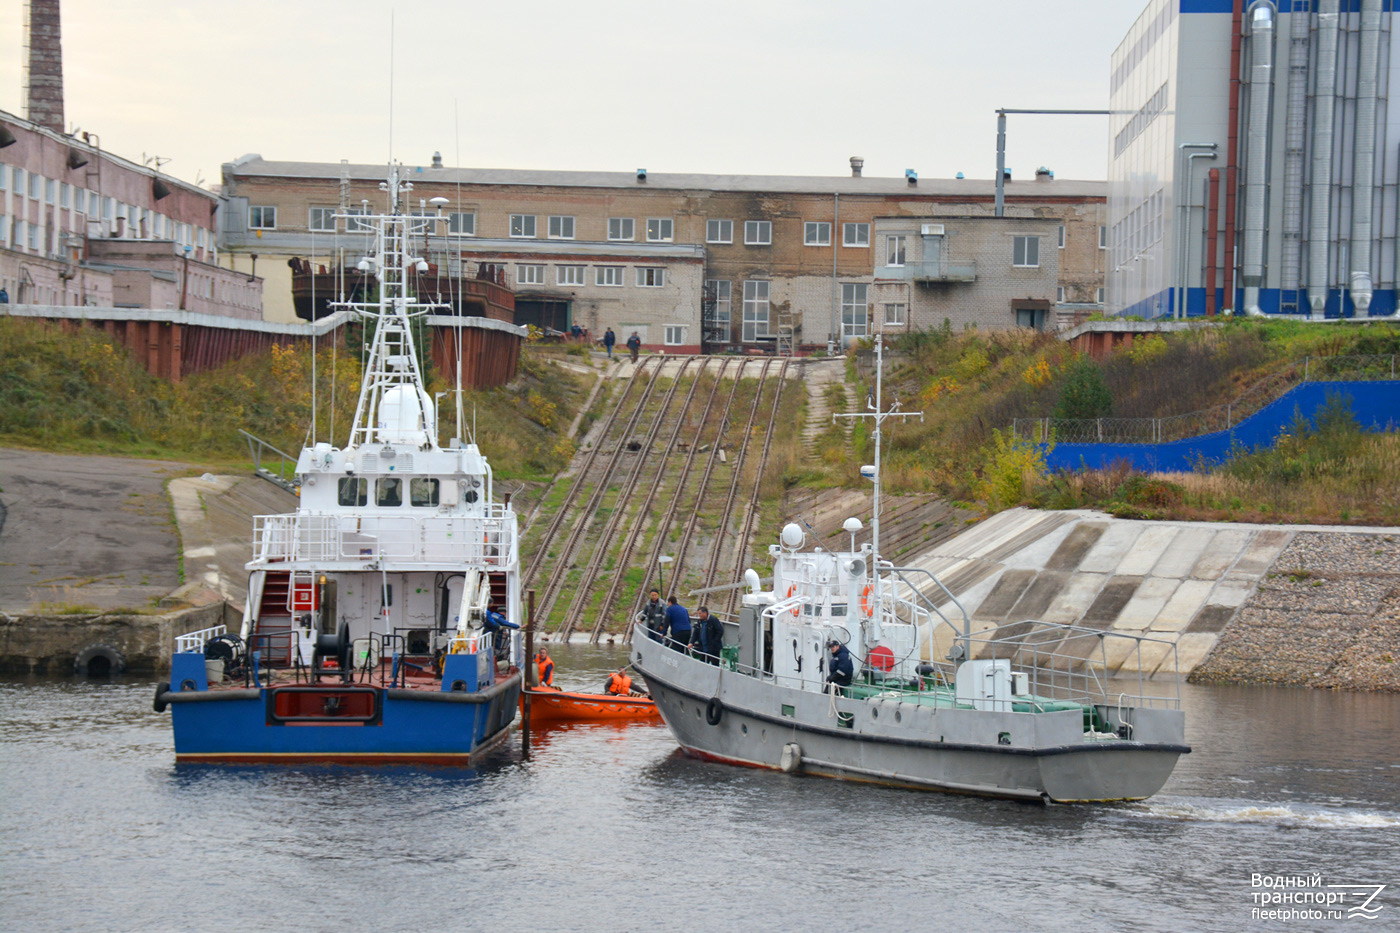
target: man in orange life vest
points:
(546, 668)
(620, 685)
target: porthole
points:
(897, 717)
(874, 713)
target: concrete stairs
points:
(819, 375)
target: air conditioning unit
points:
(931, 229)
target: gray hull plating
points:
(1029, 756)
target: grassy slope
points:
(970, 384)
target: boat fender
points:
(159, 704)
(791, 759)
(714, 711)
(99, 661)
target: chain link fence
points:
(1208, 420)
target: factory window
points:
(522, 225)
(894, 251)
(65, 195)
(755, 311)
(33, 236)
(659, 229)
(34, 186)
(675, 336)
(423, 493)
(622, 228)
(529, 275)
(4, 227)
(461, 223)
(855, 309)
(569, 275)
(49, 186)
(608, 275)
(93, 200)
(17, 177)
(1025, 251)
(1060, 294)
(19, 234)
(1098, 295)
(719, 231)
(1103, 233)
(388, 492)
(650, 277)
(354, 490)
(352, 222)
(758, 232)
(561, 228)
(1062, 236)
(321, 219)
(721, 292)
(855, 234)
(816, 233)
(261, 218)
(894, 314)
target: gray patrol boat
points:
(1024, 710)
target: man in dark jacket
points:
(653, 615)
(839, 667)
(634, 345)
(677, 624)
(708, 637)
(609, 338)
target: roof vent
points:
(857, 163)
(959, 176)
(437, 160)
(641, 175)
(1044, 174)
(911, 176)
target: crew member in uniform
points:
(839, 669)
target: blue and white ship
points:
(381, 616)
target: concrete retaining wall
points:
(35, 644)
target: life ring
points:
(867, 606)
(158, 704)
(99, 661)
(792, 588)
(714, 711)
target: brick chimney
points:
(43, 65)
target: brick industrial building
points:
(702, 262)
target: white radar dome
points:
(792, 535)
(852, 525)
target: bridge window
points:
(423, 492)
(354, 490)
(838, 609)
(389, 493)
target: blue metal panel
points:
(1376, 406)
(1271, 302)
(461, 667)
(188, 666)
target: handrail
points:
(256, 446)
(1207, 420)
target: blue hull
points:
(405, 725)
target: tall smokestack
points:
(43, 65)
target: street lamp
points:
(661, 563)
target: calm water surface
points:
(610, 828)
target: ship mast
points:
(393, 358)
(877, 414)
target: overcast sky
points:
(722, 86)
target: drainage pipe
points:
(1183, 236)
(1263, 20)
(1320, 188)
(1232, 155)
(1295, 138)
(1212, 219)
(1363, 172)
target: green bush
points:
(1085, 394)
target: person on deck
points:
(653, 614)
(708, 637)
(839, 669)
(609, 338)
(546, 668)
(677, 625)
(620, 685)
(495, 625)
(634, 345)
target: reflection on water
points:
(608, 826)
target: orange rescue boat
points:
(568, 706)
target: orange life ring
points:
(792, 588)
(866, 605)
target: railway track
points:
(658, 539)
(554, 583)
(580, 478)
(741, 543)
(623, 502)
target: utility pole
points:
(1001, 144)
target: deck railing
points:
(487, 541)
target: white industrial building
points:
(1253, 160)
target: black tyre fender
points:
(158, 704)
(102, 654)
(714, 711)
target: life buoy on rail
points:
(792, 588)
(714, 711)
(867, 605)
